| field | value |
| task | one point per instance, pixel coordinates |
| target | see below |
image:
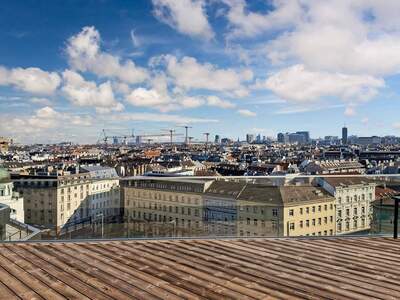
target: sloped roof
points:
(331, 268)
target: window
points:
(301, 224)
(339, 213)
(307, 210)
(274, 212)
(291, 212)
(301, 210)
(291, 226)
(313, 209)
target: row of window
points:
(356, 224)
(355, 198)
(172, 209)
(312, 222)
(164, 197)
(313, 209)
(355, 212)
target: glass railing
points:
(194, 207)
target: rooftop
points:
(320, 268)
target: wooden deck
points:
(331, 268)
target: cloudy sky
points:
(228, 67)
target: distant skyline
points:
(229, 67)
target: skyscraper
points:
(344, 135)
(249, 138)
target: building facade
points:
(353, 202)
(164, 207)
(10, 198)
(54, 202)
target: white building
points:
(104, 192)
(354, 196)
(10, 198)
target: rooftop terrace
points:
(320, 268)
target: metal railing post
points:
(396, 217)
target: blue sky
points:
(228, 67)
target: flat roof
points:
(255, 268)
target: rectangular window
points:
(291, 212)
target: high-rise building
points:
(306, 135)
(344, 135)
(249, 138)
(281, 137)
(258, 139)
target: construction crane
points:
(106, 137)
(186, 133)
(115, 137)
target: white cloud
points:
(352, 37)
(188, 73)
(218, 102)
(32, 80)
(297, 84)
(365, 120)
(135, 40)
(246, 113)
(41, 101)
(84, 54)
(86, 93)
(244, 23)
(145, 97)
(44, 122)
(191, 102)
(164, 118)
(350, 111)
(303, 108)
(185, 16)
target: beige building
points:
(285, 211)
(4, 144)
(187, 207)
(54, 201)
(307, 211)
(166, 207)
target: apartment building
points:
(104, 193)
(265, 210)
(54, 201)
(10, 198)
(353, 198)
(220, 207)
(164, 206)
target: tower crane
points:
(186, 133)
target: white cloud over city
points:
(310, 56)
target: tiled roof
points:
(346, 181)
(331, 268)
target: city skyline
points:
(234, 67)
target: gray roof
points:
(100, 172)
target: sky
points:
(69, 69)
